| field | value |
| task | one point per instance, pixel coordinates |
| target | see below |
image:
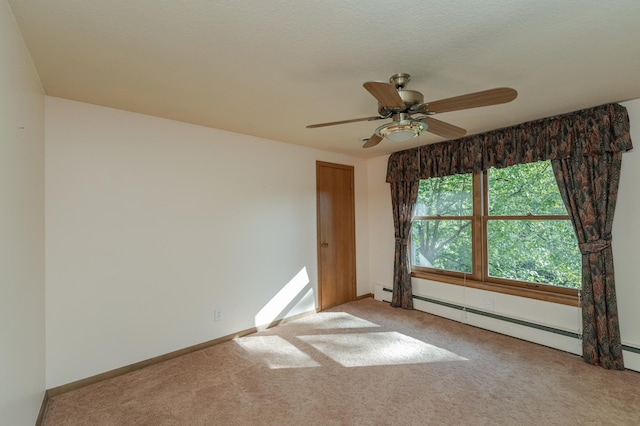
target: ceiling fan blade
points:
(373, 141)
(496, 96)
(443, 129)
(354, 120)
(385, 93)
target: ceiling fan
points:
(400, 104)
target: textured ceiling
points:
(269, 68)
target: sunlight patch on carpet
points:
(276, 352)
(384, 348)
(329, 320)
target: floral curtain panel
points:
(589, 188)
(404, 193)
(585, 148)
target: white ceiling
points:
(269, 68)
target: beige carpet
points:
(363, 363)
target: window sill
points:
(547, 296)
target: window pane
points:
(536, 251)
(442, 244)
(524, 189)
(445, 196)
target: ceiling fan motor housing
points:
(411, 99)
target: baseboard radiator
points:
(548, 329)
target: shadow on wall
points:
(297, 289)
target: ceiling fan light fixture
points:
(401, 131)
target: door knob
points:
(324, 245)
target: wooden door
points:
(336, 234)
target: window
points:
(442, 224)
(506, 229)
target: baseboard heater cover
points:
(494, 316)
(509, 319)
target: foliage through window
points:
(520, 235)
(442, 222)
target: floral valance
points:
(586, 132)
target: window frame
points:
(479, 277)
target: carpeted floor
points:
(362, 363)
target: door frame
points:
(351, 170)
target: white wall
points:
(22, 328)
(153, 224)
(626, 234)
(381, 238)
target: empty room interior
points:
(382, 196)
